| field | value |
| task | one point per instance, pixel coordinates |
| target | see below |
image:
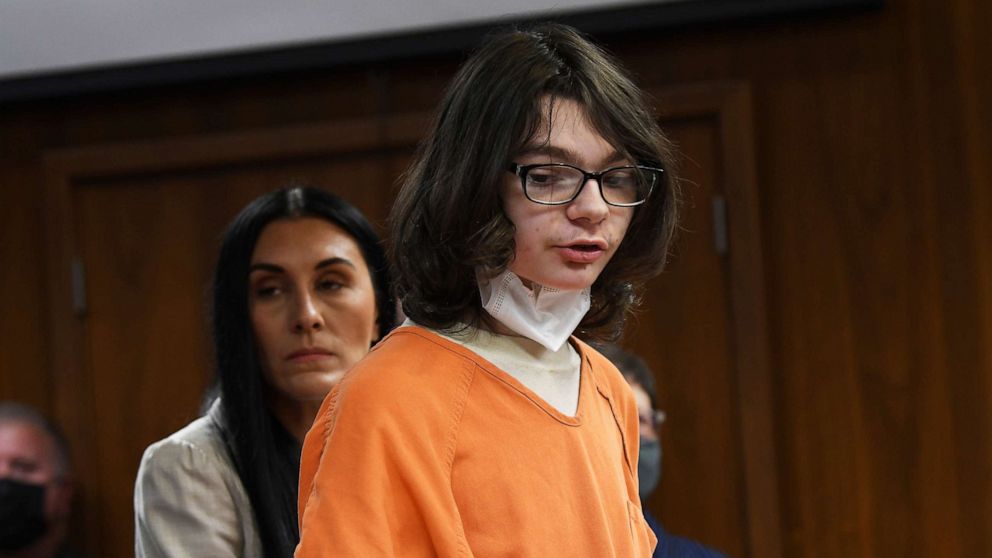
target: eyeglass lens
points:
(558, 184)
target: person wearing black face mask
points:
(35, 490)
(641, 381)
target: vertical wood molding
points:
(750, 321)
(71, 394)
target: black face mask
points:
(22, 514)
(648, 467)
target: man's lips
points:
(587, 244)
(309, 354)
(583, 251)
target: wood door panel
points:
(148, 244)
(685, 334)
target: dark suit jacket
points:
(670, 546)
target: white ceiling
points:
(39, 37)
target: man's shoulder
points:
(410, 387)
(413, 353)
(411, 364)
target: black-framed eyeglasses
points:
(560, 183)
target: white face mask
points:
(545, 315)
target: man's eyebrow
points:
(552, 151)
(563, 154)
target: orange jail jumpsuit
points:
(427, 449)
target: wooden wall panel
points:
(841, 298)
(950, 69)
(24, 368)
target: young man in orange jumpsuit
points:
(538, 202)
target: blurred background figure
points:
(641, 381)
(35, 485)
(300, 293)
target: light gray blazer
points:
(189, 500)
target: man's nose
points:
(589, 204)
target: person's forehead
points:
(569, 135)
(565, 114)
(25, 441)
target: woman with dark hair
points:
(539, 200)
(300, 293)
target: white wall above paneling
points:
(39, 37)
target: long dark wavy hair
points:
(448, 220)
(266, 456)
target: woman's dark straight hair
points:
(266, 456)
(448, 224)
